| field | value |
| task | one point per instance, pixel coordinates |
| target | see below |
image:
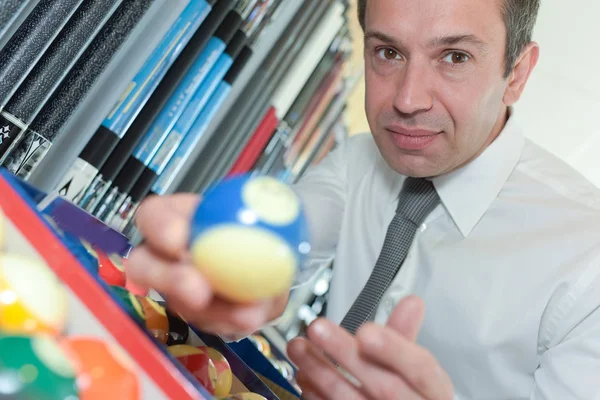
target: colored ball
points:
(224, 374)
(198, 363)
(179, 330)
(83, 251)
(261, 344)
(130, 304)
(249, 238)
(112, 270)
(32, 299)
(2, 228)
(244, 396)
(36, 367)
(157, 322)
(105, 371)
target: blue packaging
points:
(190, 140)
(158, 131)
(191, 113)
(149, 76)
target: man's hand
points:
(163, 263)
(384, 360)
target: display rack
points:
(202, 90)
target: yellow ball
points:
(244, 275)
(32, 299)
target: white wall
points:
(561, 104)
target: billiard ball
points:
(36, 367)
(198, 363)
(112, 270)
(2, 235)
(249, 238)
(157, 322)
(32, 299)
(224, 374)
(131, 304)
(243, 396)
(261, 344)
(179, 330)
(105, 371)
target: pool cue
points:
(64, 101)
(134, 192)
(22, 52)
(266, 132)
(30, 41)
(52, 68)
(281, 49)
(109, 164)
(9, 12)
(232, 146)
(252, 27)
(160, 182)
(157, 133)
(314, 90)
(133, 99)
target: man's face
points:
(434, 81)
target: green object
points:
(131, 304)
(35, 368)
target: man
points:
(503, 239)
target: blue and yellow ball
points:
(249, 238)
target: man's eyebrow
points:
(452, 40)
(380, 36)
(459, 39)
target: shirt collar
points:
(468, 192)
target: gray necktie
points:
(417, 199)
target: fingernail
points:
(320, 329)
(309, 395)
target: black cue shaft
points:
(30, 41)
(239, 109)
(232, 144)
(9, 10)
(114, 163)
(77, 84)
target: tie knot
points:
(418, 198)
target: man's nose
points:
(414, 89)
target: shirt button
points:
(389, 306)
(423, 227)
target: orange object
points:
(198, 363)
(104, 372)
(112, 270)
(224, 374)
(157, 322)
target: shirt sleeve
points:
(322, 190)
(570, 363)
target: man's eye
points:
(456, 57)
(388, 54)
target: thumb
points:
(407, 317)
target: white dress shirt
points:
(508, 265)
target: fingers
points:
(164, 222)
(320, 376)
(308, 391)
(417, 367)
(375, 381)
(181, 283)
(225, 318)
(407, 317)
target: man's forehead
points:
(434, 19)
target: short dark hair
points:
(519, 17)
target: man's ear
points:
(520, 74)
